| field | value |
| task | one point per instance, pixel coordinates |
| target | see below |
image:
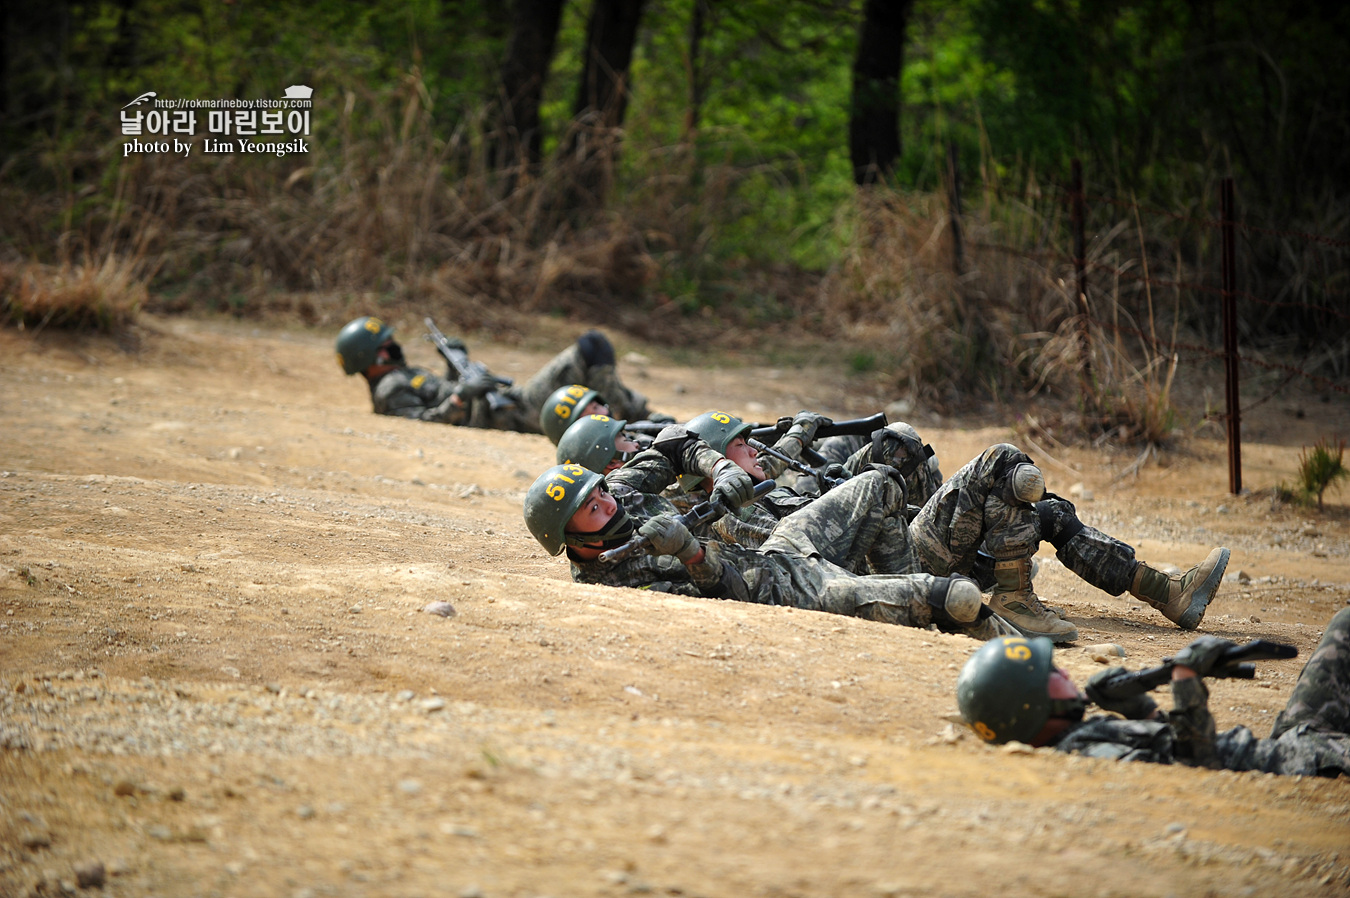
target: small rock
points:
(410, 787)
(405, 695)
(90, 875)
(124, 788)
(160, 832)
(305, 812)
(1104, 653)
(440, 609)
(471, 892)
(471, 490)
(35, 839)
(433, 704)
(1017, 748)
(1255, 619)
(355, 609)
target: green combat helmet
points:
(1002, 689)
(590, 442)
(359, 343)
(718, 429)
(553, 499)
(562, 407)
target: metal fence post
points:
(1080, 280)
(1230, 347)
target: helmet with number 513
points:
(553, 499)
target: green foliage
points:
(1320, 467)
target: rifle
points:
(700, 514)
(826, 482)
(1233, 663)
(856, 427)
(647, 428)
(457, 357)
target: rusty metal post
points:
(954, 204)
(1077, 216)
(1230, 347)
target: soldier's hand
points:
(731, 486)
(835, 471)
(1202, 654)
(809, 423)
(668, 536)
(1135, 707)
(475, 388)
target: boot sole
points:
(1204, 593)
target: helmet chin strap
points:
(615, 534)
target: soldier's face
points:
(594, 514)
(595, 407)
(746, 456)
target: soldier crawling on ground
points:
(367, 346)
(1010, 689)
(997, 504)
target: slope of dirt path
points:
(216, 678)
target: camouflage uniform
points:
(806, 562)
(417, 393)
(1311, 736)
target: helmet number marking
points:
(721, 417)
(982, 730)
(1017, 650)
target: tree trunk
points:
(874, 119)
(602, 96)
(529, 53)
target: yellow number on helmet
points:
(1017, 652)
(574, 470)
(562, 411)
(373, 325)
(982, 730)
(599, 417)
(576, 391)
(418, 381)
(556, 492)
(721, 418)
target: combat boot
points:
(1182, 598)
(1015, 601)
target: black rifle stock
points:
(1233, 663)
(827, 482)
(465, 370)
(854, 427)
(701, 513)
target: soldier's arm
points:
(1192, 722)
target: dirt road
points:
(216, 678)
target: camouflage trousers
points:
(975, 504)
(1321, 696)
(856, 526)
(571, 367)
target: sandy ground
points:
(216, 677)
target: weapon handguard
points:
(1233, 664)
(701, 513)
(827, 482)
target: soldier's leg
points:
(1322, 694)
(1110, 565)
(855, 525)
(990, 502)
(912, 600)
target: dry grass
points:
(103, 296)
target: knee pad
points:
(956, 598)
(1059, 521)
(596, 348)
(1026, 483)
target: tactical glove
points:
(1135, 707)
(475, 388)
(1202, 654)
(731, 486)
(807, 423)
(667, 536)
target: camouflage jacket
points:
(1188, 737)
(409, 392)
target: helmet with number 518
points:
(563, 407)
(1002, 690)
(718, 429)
(553, 499)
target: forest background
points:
(885, 183)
